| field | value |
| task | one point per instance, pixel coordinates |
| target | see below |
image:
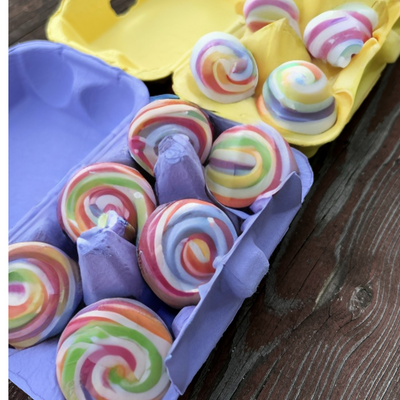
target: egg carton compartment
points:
(62, 105)
(148, 40)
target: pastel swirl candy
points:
(259, 13)
(99, 188)
(44, 288)
(178, 246)
(163, 118)
(114, 350)
(297, 97)
(224, 70)
(247, 161)
(336, 35)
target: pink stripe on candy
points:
(350, 34)
(250, 6)
(322, 27)
(16, 287)
(362, 19)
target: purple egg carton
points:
(68, 110)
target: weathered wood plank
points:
(26, 16)
(15, 393)
(121, 6)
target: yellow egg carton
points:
(154, 39)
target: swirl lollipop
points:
(114, 349)
(224, 70)
(336, 35)
(99, 188)
(247, 161)
(297, 97)
(163, 118)
(44, 288)
(259, 13)
(178, 246)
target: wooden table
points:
(325, 321)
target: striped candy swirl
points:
(99, 188)
(224, 70)
(163, 118)
(297, 97)
(259, 13)
(247, 161)
(179, 244)
(335, 36)
(44, 288)
(114, 350)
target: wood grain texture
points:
(27, 19)
(324, 323)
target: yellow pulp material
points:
(149, 40)
(154, 38)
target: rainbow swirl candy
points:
(99, 188)
(247, 161)
(44, 288)
(297, 97)
(178, 246)
(224, 70)
(114, 350)
(163, 118)
(259, 13)
(336, 35)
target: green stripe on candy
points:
(92, 182)
(238, 142)
(20, 322)
(100, 331)
(197, 115)
(69, 367)
(23, 275)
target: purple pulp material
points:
(62, 104)
(197, 329)
(178, 159)
(109, 268)
(108, 265)
(275, 108)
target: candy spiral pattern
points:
(163, 118)
(178, 246)
(259, 13)
(336, 35)
(114, 350)
(224, 70)
(297, 97)
(99, 188)
(44, 288)
(247, 161)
